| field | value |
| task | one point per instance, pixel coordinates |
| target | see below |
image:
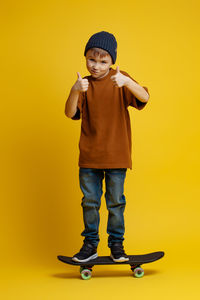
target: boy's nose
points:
(95, 67)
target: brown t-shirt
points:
(105, 139)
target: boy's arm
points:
(137, 95)
(71, 104)
(137, 90)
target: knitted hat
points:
(103, 40)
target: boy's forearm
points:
(138, 91)
(71, 103)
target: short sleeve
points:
(77, 115)
(129, 98)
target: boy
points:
(105, 141)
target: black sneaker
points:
(87, 252)
(117, 253)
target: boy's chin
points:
(95, 75)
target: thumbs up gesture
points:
(119, 79)
(81, 84)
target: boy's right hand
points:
(81, 84)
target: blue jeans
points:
(91, 186)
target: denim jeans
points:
(91, 186)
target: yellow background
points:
(42, 49)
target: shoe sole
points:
(121, 259)
(85, 260)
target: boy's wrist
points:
(74, 88)
(128, 81)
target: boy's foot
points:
(87, 252)
(117, 253)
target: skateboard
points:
(135, 262)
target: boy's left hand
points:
(119, 79)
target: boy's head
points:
(100, 52)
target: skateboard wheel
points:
(86, 274)
(138, 272)
(81, 268)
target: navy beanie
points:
(103, 40)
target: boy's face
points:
(98, 66)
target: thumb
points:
(79, 75)
(117, 69)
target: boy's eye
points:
(104, 62)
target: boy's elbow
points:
(145, 99)
(66, 113)
(146, 94)
(69, 115)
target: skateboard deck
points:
(135, 261)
